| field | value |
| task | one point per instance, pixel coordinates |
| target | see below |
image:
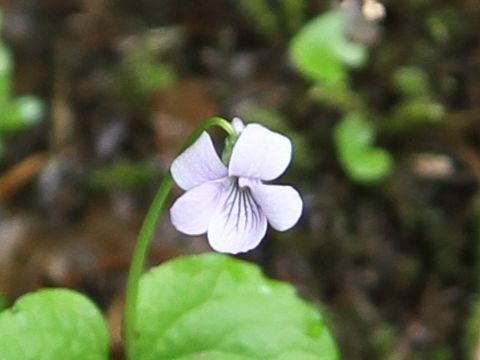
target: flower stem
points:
(146, 234)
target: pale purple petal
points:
(191, 213)
(238, 224)
(198, 164)
(281, 204)
(260, 153)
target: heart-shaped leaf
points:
(53, 324)
(362, 161)
(213, 306)
(369, 166)
(353, 133)
(322, 52)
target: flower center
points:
(239, 204)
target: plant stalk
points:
(145, 237)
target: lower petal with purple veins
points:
(238, 224)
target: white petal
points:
(238, 224)
(260, 153)
(191, 213)
(238, 125)
(281, 204)
(198, 164)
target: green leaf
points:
(20, 113)
(414, 113)
(353, 133)
(294, 13)
(322, 52)
(362, 161)
(31, 109)
(213, 306)
(141, 73)
(411, 81)
(5, 71)
(368, 166)
(10, 117)
(262, 15)
(53, 324)
(3, 302)
(338, 96)
(471, 338)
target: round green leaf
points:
(369, 166)
(213, 306)
(353, 134)
(321, 50)
(53, 324)
(20, 113)
(362, 161)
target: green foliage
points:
(362, 161)
(321, 51)
(445, 23)
(471, 338)
(411, 81)
(5, 71)
(213, 306)
(338, 96)
(3, 302)
(273, 21)
(418, 107)
(53, 324)
(383, 338)
(416, 112)
(145, 68)
(18, 113)
(294, 11)
(263, 16)
(30, 109)
(124, 175)
(472, 331)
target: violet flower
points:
(232, 204)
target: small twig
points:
(20, 174)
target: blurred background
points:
(381, 100)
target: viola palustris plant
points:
(230, 202)
(209, 306)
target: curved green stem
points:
(146, 234)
